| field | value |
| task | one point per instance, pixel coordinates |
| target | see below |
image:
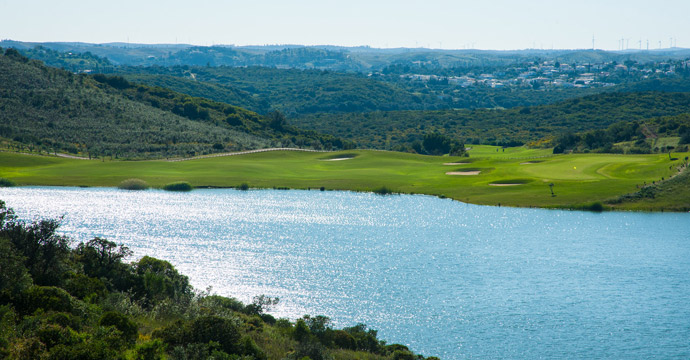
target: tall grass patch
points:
(133, 184)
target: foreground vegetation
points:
(59, 301)
(490, 175)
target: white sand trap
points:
(458, 163)
(338, 159)
(463, 173)
(504, 184)
(530, 162)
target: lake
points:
(446, 278)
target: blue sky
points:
(488, 24)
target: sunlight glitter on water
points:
(449, 279)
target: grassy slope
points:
(578, 179)
(671, 195)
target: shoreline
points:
(580, 207)
(369, 171)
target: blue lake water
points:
(448, 279)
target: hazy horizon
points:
(134, 45)
(436, 24)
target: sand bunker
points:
(338, 159)
(476, 172)
(530, 162)
(456, 163)
(504, 184)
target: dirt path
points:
(244, 153)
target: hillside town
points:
(553, 74)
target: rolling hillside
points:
(53, 110)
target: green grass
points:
(670, 195)
(579, 179)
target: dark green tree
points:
(436, 143)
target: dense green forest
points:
(61, 301)
(293, 92)
(50, 110)
(636, 137)
(228, 94)
(402, 130)
(301, 92)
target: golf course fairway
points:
(490, 175)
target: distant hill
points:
(286, 79)
(401, 130)
(55, 110)
(337, 58)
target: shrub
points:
(28, 348)
(218, 329)
(133, 184)
(150, 350)
(121, 322)
(82, 286)
(596, 207)
(311, 350)
(344, 340)
(63, 319)
(283, 323)
(403, 355)
(383, 190)
(243, 186)
(90, 350)
(249, 348)
(47, 298)
(178, 186)
(301, 331)
(7, 182)
(52, 335)
(160, 280)
(219, 304)
(268, 319)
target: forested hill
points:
(336, 58)
(290, 91)
(54, 110)
(401, 130)
(402, 86)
